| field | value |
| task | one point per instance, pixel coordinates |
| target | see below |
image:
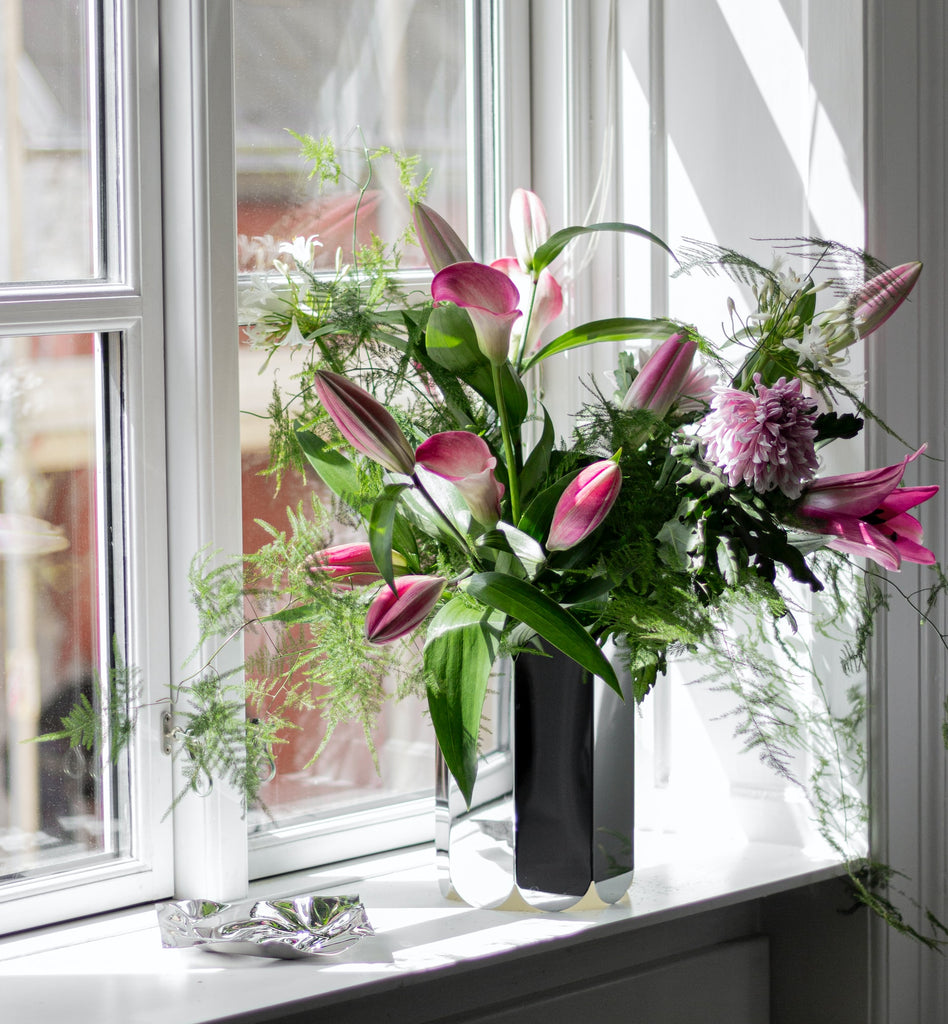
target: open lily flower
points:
(547, 300)
(364, 422)
(866, 514)
(392, 615)
(465, 460)
(489, 297)
(584, 504)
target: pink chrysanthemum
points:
(766, 439)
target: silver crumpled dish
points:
(297, 928)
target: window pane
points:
(386, 72)
(48, 195)
(57, 805)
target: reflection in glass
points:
(365, 73)
(48, 193)
(55, 803)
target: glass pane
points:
(383, 72)
(48, 193)
(56, 804)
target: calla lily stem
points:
(509, 456)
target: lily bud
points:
(584, 504)
(529, 225)
(392, 615)
(438, 240)
(489, 297)
(364, 422)
(350, 564)
(660, 382)
(465, 460)
(880, 297)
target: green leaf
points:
(295, 613)
(558, 241)
(461, 648)
(381, 525)
(521, 600)
(508, 538)
(536, 518)
(537, 465)
(614, 329)
(334, 469)
(451, 342)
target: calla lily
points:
(547, 300)
(465, 460)
(584, 504)
(394, 614)
(351, 564)
(529, 225)
(661, 380)
(489, 297)
(438, 240)
(364, 422)
(866, 514)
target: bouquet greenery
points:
(689, 496)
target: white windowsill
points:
(115, 969)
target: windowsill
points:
(115, 969)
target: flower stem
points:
(509, 456)
(522, 340)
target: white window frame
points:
(126, 303)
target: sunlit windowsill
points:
(115, 969)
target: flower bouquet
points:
(688, 502)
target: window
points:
(82, 569)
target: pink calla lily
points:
(547, 300)
(438, 240)
(364, 422)
(584, 504)
(529, 225)
(394, 614)
(866, 514)
(465, 460)
(661, 380)
(350, 565)
(489, 297)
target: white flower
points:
(258, 299)
(256, 253)
(303, 250)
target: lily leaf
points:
(381, 526)
(521, 600)
(614, 329)
(505, 537)
(334, 469)
(538, 462)
(558, 241)
(450, 342)
(536, 518)
(459, 652)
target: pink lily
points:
(881, 296)
(547, 299)
(584, 504)
(392, 615)
(364, 422)
(866, 514)
(350, 565)
(489, 297)
(465, 460)
(529, 225)
(661, 381)
(438, 240)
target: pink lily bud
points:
(866, 514)
(364, 422)
(659, 383)
(465, 460)
(438, 240)
(547, 300)
(392, 615)
(881, 296)
(584, 504)
(529, 225)
(350, 564)
(489, 297)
